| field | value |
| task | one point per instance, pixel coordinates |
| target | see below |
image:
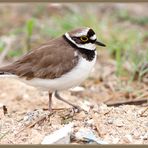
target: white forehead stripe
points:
(88, 46)
(84, 32)
(93, 37)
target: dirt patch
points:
(25, 104)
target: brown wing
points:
(50, 60)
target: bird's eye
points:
(84, 38)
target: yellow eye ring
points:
(84, 38)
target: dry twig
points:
(128, 102)
(35, 122)
(142, 113)
(96, 124)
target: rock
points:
(87, 135)
(61, 136)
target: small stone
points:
(115, 140)
(110, 121)
(128, 139)
(85, 105)
(118, 123)
(144, 136)
(90, 122)
(61, 136)
(77, 89)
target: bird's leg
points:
(62, 99)
(50, 102)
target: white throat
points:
(88, 46)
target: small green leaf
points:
(29, 26)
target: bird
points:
(58, 64)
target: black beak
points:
(99, 43)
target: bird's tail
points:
(6, 72)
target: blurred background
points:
(120, 75)
(122, 27)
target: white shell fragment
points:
(85, 105)
(88, 135)
(1, 105)
(77, 89)
(61, 136)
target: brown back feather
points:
(48, 61)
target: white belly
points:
(68, 80)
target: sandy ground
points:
(125, 124)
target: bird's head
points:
(84, 38)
